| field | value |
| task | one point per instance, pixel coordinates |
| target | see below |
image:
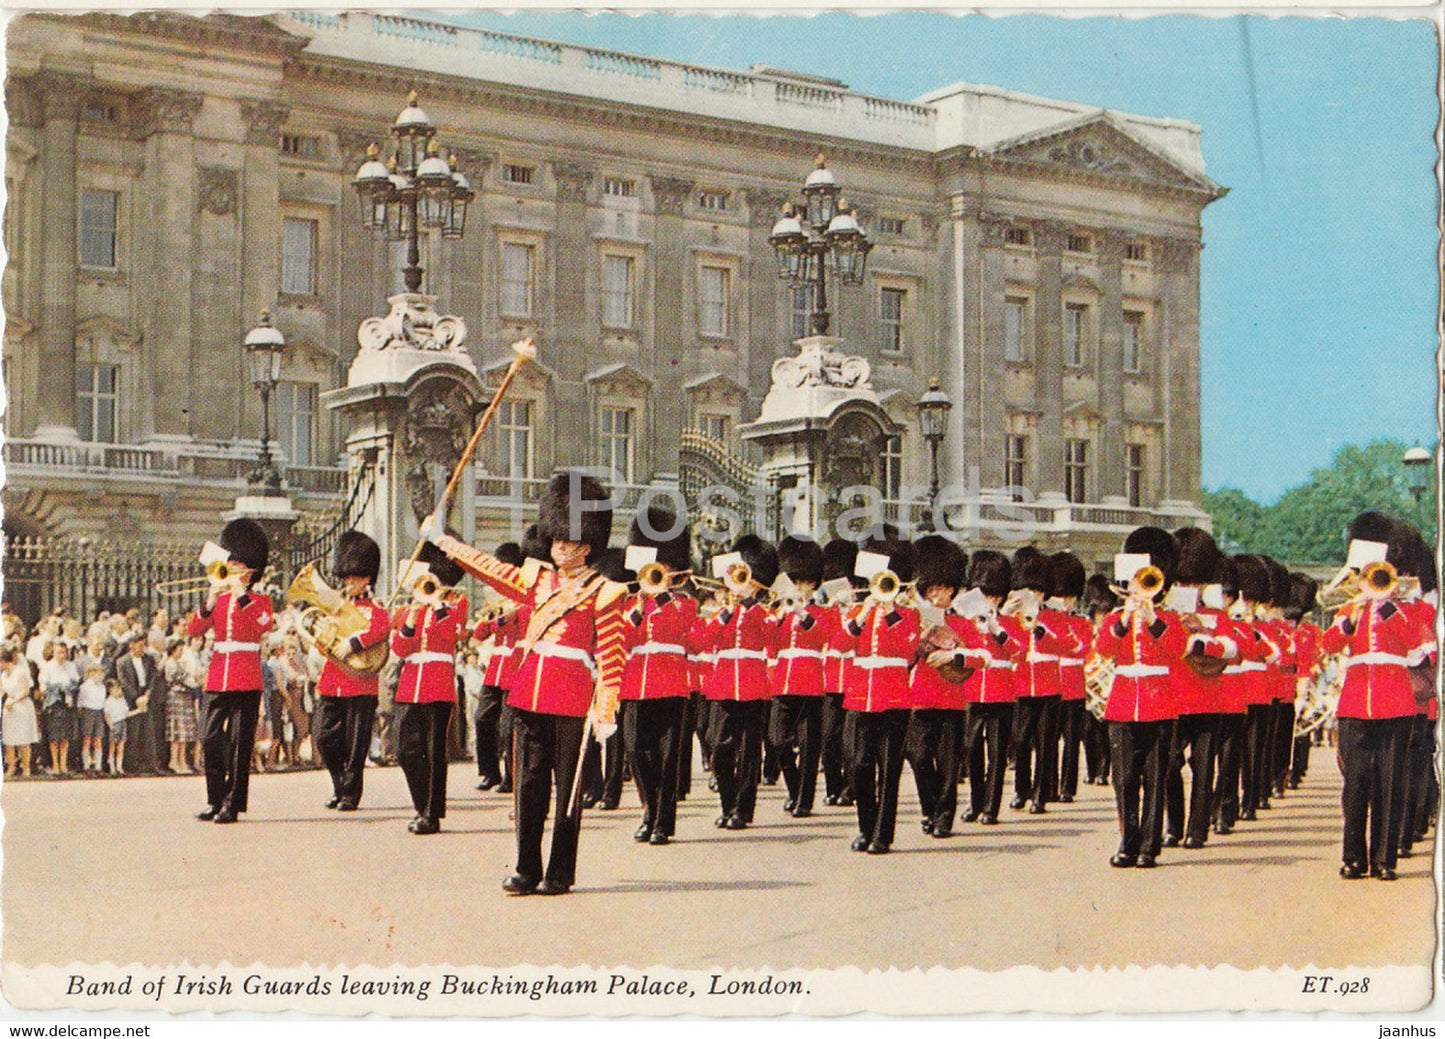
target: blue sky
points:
(1319, 280)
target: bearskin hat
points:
(990, 573)
(1160, 546)
(576, 507)
(1279, 582)
(535, 545)
(1198, 556)
(442, 566)
(1031, 570)
(1422, 562)
(660, 528)
(357, 556)
(1252, 573)
(886, 541)
(1099, 597)
(761, 557)
(1068, 575)
(611, 563)
(1226, 575)
(839, 557)
(939, 561)
(247, 544)
(1302, 591)
(801, 559)
(510, 552)
(1372, 525)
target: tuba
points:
(328, 621)
(1098, 680)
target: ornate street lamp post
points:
(265, 346)
(820, 233)
(1417, 473)
(933, 409)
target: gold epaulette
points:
(610, 592)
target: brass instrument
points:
(885, 587)
(1379, 580)
(1023, 603)
(654, 579)
(942, 637)
(1148, 582)
(217, 574)
(328, 620)
(1098, 680)
(1343, 587)
(493, 611)
(1320, 698)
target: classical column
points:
(1177, 261)
(60, 96)
(766, 341)
(1049, 355)
(567, 348)
(1110, 470)
(670, 335)
(179, 373)
(985, 290)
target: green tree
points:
(1239, 520)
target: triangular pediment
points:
(619, 376)
(1099, 145)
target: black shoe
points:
(1383, 873)
(735, 822)
(333, 802)
(1247, 815)
(926, 825)
(346, 804)
(411, 826)
(1263, 805)
(427, 825)
(643, 833)
(1352, 870)
(1171, 840)
(1037, 808)
(831, 800)
(877, 848)
(1016, 803)
(802, 813)
(504, 787)
(790, 804)
(519, 885)
(845, 800)
(971, 815)
(942, 831)
(659, 838)
(1193, 842)
(590, 800)
(1404, 852)
(712, 783)
(208, 813)
(988, 819)
(225, 815)
(1294, 784)
(1066, 799)
(860, 843)
(1145, 862)
(1122, 861)
(607, 806)
(487, 782)
(553, 887)
(721, 822)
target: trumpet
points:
(654, 579)
(429, 590)
(493, 612)
(1024, 603)
(217, 573)
(1379, 580)
(885, 587)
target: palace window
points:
(1133, 341)
(514, 439)
(716, 201)
(892, 224)
(96, 392)
(1079, 243)
(1076, 329)
(1015, 316)
(515, 174)
(518, 276)
(714, 427)
(296, 421)
(800, 310)
(1015, 465)
(892, 461)
(715, 288)
(1136, 251)
(615, 436)
(1076, 470)
(892, 304)
(301, 146)
(97, 227)
(1134, 473)
(618, 187)
(298, 257)
(617, 291)
(1018, 236)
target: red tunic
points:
(336, 680)
(929, 690)
(504, 631)
(1142, 655)
(1377, 644)
(1427, 652)
(994, 683)
(738, 639)
(1194, 693)
(1071, 665)
(884, 643)
(1282, 670)
(836, 654)
(239, 622)
(428, 652)
(1051, 637)
(658, 631)
(800, 642)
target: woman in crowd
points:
(19, 728)
(181, 693)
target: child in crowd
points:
(91, 701)
(116, 710)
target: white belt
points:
(874, 663)
(430, 658)
(1041, 658)
(1072, 661)
(1377, 658)
(1234, 669)
(741, 654)
(836, 654)
(1140, 670)
(236, 647)
(661, 647)
(706, 658)
(1252, 665)
(1000, 663)
(554, 649)
(793, 653)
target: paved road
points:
(119, 871)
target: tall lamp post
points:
(265, 346)
(822, 232)
(933, 409)
(1417, 473)
(416, 190)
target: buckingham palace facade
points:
(169, 177)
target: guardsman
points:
(1099, 602)
(424, 638)
(839, 556)
(500, 625)
(1282, 674)
(240, 617)
(1248, 613)
(655, 685)
(1068, 580)
(989, 691)
(346, 699)
(1422, 792)
(1142, 639)
(570, 663)
(1308, 656)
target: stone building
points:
(169, 177)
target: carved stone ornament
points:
(817, 366)
(1091, 155)
(573, 180)
(264, 120)
(434, 433)
(413, 325)
(167, 111)
(670, 194)
(217, 189)
(852, 452)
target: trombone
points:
(654, 579)
(735, 580)
(217, 573)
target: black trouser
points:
(343, 739)
(1036, 723)
(227, 741)
(875, 748)
(1096, 748)
(702, 726)
(835, 764)
(1370, 753)
(691, 705)
(934, 749)
(1227, 770)
(1199, 733)
(547, 748)
(989, 725)
(489, 734)
(421, 751)
(737, 753)
(1140, 750)
(1300, 760)
(1282, 746)
(141, 749)
(772, 761)
(654, 735)
(1071, 729)
(1418, 769)
(614, 759)
(1253, 763)
(795, 729)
